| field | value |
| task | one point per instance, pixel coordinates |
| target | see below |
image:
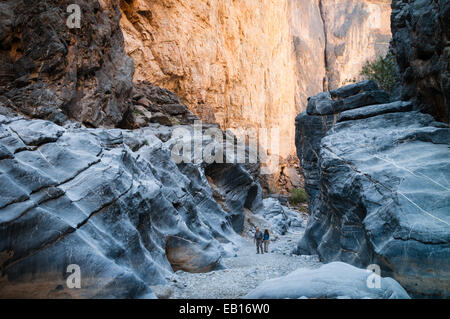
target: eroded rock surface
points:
(377, 179)
(111, 201)
(51, 71)
(421, 44)
(153, 104)
(280, 217)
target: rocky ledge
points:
(114, 203)
(377, 179)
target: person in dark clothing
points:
(258, 239)
(266, 240)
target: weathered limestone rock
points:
(50, 71)
(421, 44)
(252, 63)
(309, 40)
(153, 104)
(112, 202)
(378, 192)
(280, 217)
(351, 97)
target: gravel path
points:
(243, 272)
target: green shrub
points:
(382, 70)
(298, 196)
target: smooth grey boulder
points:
(112, 202)
(378, 192)
(335, 280)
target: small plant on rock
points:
(382, 70)
(298, 196)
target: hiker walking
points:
(258, 241)
(266, 240)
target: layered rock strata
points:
(50, 69)
(112, 202)
(253, 63)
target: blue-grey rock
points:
(373, 110)
(112, 202)
(322, 104)
(378, 193)
(364, 99)
(335, 280)
(280, 217)
(367, 93)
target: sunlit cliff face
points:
(252, 63)
(356, 31)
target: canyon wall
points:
(421, 44)
(51, 71)
(252, 63)
(356, 31)
(231, 61)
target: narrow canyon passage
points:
(142, 142)
(244, 271)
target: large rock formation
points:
(112, 202)
(241, 65)
(335, 280)
(377, 179)
(51, 71)
(229, 61)
(421, 44)
(252, 63)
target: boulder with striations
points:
(377, 180)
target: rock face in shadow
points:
(111, 201)
(421, 30)
(51, 71)
(335, 280)
(377, 180)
